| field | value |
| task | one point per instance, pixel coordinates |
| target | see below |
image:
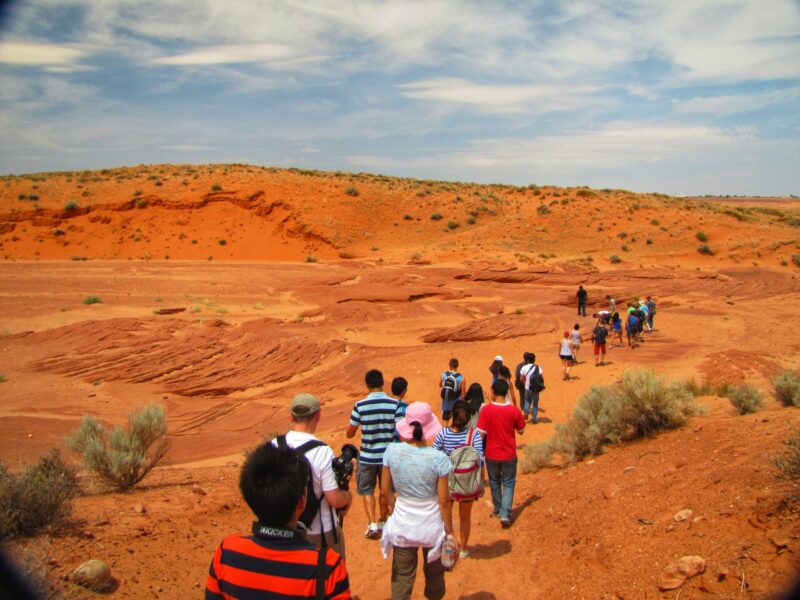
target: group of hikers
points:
(421, 466)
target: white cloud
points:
(737, 103)
(220, 55)
(63, 58)
(500, 98)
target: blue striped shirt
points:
(448, 440)
(376, 415)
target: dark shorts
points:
(367, 476)
(565, 357)
(599, 348)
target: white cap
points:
(498, 357)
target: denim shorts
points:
(367, 476)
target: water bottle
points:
(449, 552)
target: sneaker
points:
(506, 523)
(534, 421)
(372, 532)
(463, 554)
(494, 514)
(380, 525)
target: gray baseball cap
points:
(304, 405)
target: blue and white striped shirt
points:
(376, 415)
(448, 440)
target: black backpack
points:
(312, 501)
(518, 381)
(450, 387)
(537, 381)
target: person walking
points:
(497, 422)
(322, 523)
(575, 336)
(415, 484)
(453, 387)
(534, 384)
(565, 354)
(505, 375)
(651, 307)
(494, 368)
(599, 338)
(274, 483)
(581, 295)
(459, 434)
(376, 416)
(474, 399)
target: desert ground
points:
(285, 281)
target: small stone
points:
(232, 464)
(590, 462)
(692, 565)
(628, 469)
(93, 574)
(780, 542)
(140, 508)
(92, 395)
(683, 515)
(677, 573)
(196, 489)
(611, 492)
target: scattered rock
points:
(93, 574)
(683, 515)
(611, 492)
(590, 462)
(779, 541)
(196, 489)
(628, 469)
(140, 508)
(722, 573)
(677, 573)
(169, 311)
(231, 463)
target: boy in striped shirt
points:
(277, 561)
(376, 416)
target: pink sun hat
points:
(422, 413)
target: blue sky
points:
(680, 97)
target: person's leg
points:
(434, 576)
(602, 354)
(526, 402)
(493, 471)
(404, 572)
(508, 477)
(365, 487)
(464, 522)
(535, 409)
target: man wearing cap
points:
(325, 529)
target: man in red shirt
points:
(497, 422)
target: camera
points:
(343, 466)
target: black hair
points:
(461, 415)
(417, 435)
(373, 379)
(453, 363)
(399, 386)
(494, 368)
(577, 326)
(474, 395)
(500, 387)
(505, 372)
(533, 358)
(272, 482)
(529, 357)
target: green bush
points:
(745, 398)
(351, 191)
(638, 405)
(39, 497)
(452, 225)
(787, 387)
(789, 461)
(437, 216)
(92, 300)
(542, 209)
(123, 457)
(216, 188)
(536, 456)
(310, 258)
(71, 205)
(615, 259)
(701, 236)
(706, 250)
(796, 260)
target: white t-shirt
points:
(322, 474)
(525, 370)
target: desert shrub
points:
(437, 216)
(71, 205)
(787, 387)
(638, 405)
(408, 218)
(452, 225)
(796, 260)
(622, 234)
(122, 457)
(216, 188)
(536, 456)
(141, 203)
(39, 497)
(92, 300)
(706, 250)
(471, 220)
(701, 236)
(542, 209)
(614, 259)
(222, 242)
(351, 191)
(745, 398)
(3, 378)
(654, 222)
(310, 258)
(789, 461)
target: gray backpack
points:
(465, 480)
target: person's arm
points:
(351, 431)
(520, 423)
(463, 388)
(445, 504)
(386, 488)
(513, 390)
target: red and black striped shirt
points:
(279, 567)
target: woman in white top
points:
(576, 342)
(422, 512)
(565, 354)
